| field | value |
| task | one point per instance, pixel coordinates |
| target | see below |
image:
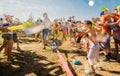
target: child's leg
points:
(97, 59)
(15, 39)
(107, 50)
(71, 34)
(44, 38)
(74, 34)
(40, 36)
(63, 36)
(78, 42)
(91, 56)
(36, 36)
(8, 49)
(3, 45)
(18, 48)
(86, 44)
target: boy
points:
(105, 17)
(55, 45)
(93, 54)
(79, 34)
(46, 29)
(15, 35)
(64, 31)
(7, 43)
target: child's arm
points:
(0, 28)
(117, 22)
(4, 29)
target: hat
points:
(104, 8)
(101, 13)
(118, 8)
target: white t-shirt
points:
(47, 23)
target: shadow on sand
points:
(26, 62)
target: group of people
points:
(9, 36)
(95, 34)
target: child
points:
(45, 31)
(55, 27)
(54, 45)
(64, 31)
(105, 18)
(93, 54)
(85, 39)
(79, 34)
(7, 43)
(15, 35)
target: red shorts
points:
(64, 31)
(80, 35)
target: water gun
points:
(24, 25)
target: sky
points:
(55, 8)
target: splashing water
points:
(33, 30)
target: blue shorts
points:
(45, 33)
(107, 42)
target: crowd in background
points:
(92, 33)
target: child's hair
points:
(88, 22)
